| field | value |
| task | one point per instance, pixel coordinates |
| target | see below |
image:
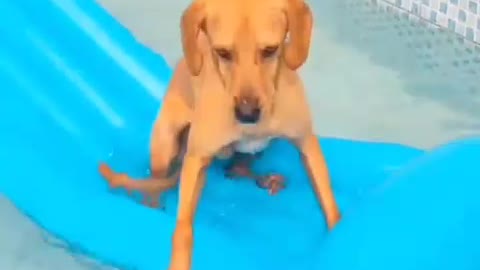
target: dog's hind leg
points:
(167, 154)
(167, 147)
(169, 135)
(151, 189)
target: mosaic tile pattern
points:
(435, 62)
(459, 16)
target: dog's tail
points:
(149, 186)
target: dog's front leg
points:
(191, 184)
(317, 167)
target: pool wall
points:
(459, 16)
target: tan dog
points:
(236, 86)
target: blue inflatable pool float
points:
(77, 89)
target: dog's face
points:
(247, 45)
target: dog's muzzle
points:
(247, 110)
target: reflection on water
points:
(370, 76)
(23, 246)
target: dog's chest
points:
(251, 145)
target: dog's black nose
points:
(247, 110)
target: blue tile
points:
(451, 24)
(415, 9)
(443, 8)
(462, 15)
(433, 16)
(469, 34)
(454, 2)
(473, 6)
(426, 2)
(398, 3)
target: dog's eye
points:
(269, 51)
(224, 54)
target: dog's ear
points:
(299, 27)
(193, 20)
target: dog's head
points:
(248, 44)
